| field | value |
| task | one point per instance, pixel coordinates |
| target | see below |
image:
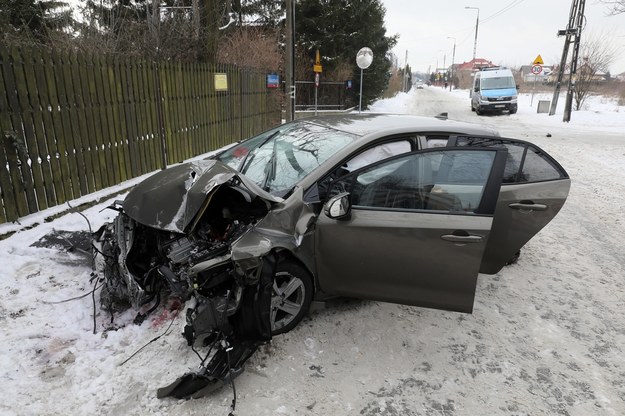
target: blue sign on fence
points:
(273, 81)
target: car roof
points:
(366, 124)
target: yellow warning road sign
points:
(317, 66)
(538, 61)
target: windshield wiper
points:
(271, 167)
(245, 163)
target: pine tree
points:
(339, 29)
(34, 21)
(266, 13)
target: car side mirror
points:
(338, 207)
(517, 86)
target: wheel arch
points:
(284, 254)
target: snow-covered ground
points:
(547, 335)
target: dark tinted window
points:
(525, 162)
(364, 158)
(440, 181)
(513, 161)
(538, 168)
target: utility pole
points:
(477, 24)
(572, 34)
(453, 60)
(578, 37)
(290, 60)
(405, 83)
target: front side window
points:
(377, 153)
(450, 181)
(513, 161)
(364, 158)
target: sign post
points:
(537, 69)
(317, 70)
(316, 90)
(364, 57)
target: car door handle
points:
(469, 238)
(528, 206)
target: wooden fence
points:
(72, 124)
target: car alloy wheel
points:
(291, 297)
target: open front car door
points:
(411, 229)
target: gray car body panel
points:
(513, 228)
(284, 227)
(406, 260)
(170, 199)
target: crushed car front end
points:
(199, 232)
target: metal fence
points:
(72, 124)
(331, 95)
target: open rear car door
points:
(534, 189)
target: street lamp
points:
(477, 23)
(453, 59)
(364, 57)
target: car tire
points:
(513, 111)
(291, 296)
(514, 259)
(478, 110)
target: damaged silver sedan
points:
(393, 208)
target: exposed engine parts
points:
(228, 303)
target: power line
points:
(511, 5)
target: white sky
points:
(513, 38)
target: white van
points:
(494, 89)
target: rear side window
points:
(538, 168)
(525, 162)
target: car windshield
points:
(277, 159)
(497, 83)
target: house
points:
(528, 76)
(584, 71)
(476, 63)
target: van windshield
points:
(497, 83)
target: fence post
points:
(159, 115)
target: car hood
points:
(170, 199)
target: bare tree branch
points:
(615, 6)
(597, 53)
